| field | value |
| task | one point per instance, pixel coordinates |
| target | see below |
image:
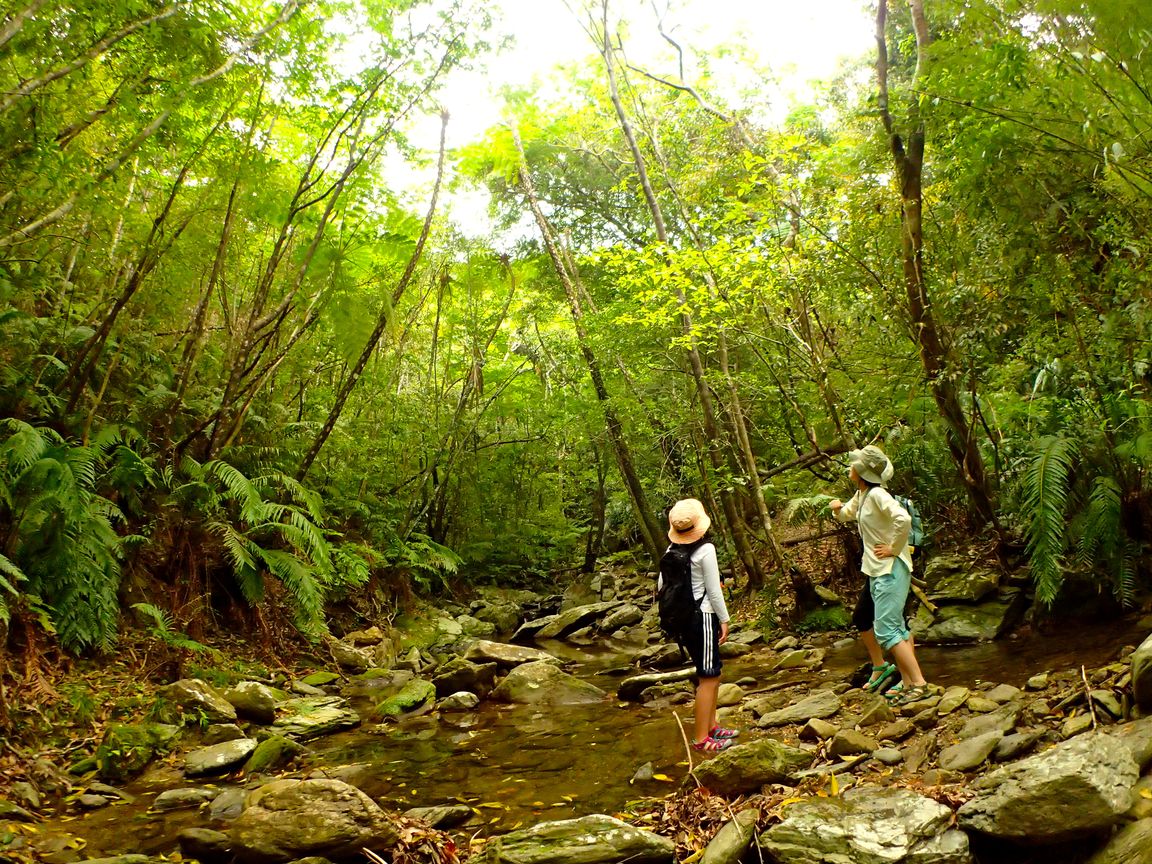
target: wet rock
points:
(746, 637)
(312, 716)
(359, 638)
(195, 699)
(729, 695)
(306, 689)
(625, 616)
(1131, 845)
(541, 683)
(849, 742)
(504, 616)
(10, 812)
(228, 804)
(953, 698)
(1141, 666)
(1001, 720)
(254, 701)
(219, 758)
(218, 733)
(1141, 800)
(24, 794)
(594, 839)
(110, 791)
(350, 657)
(1076, 788)
(888, 756)
(793, 659)
(867, 826)
(980, 623)
(476, 628)
(444, 817)
(730, 650)
(896, 731)
(414, 695)
(662, 656)
(319, 679)
(1002, 693)
(1107, 700)
(732, 840)
(917, 754)
(130, 858)
(1013, 746)
(288, 819)
(746, 767)
(1074, 726)
(981, 705)
(631, 688)
(88, 801)
(643, 774)
(575, 618)
(459, 674)
(462, 701)
(926, 719)
(1137, 738)
(128, 747)
(818, 730)
(205, 845)
(183, 799)
(272, 752)
(876, 710)
(505, 656)
(821, 704)
(969, 586)
(969, 754)
(1038, 681)
(787, 643)
(529, 629)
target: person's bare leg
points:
(905, 657)
(706, 692)
(868, 637)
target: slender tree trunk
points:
(649, 530)
(707, 411)
(934, 353)
(383, 318)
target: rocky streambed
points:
(472, 747)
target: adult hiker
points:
(887, 562)
(707, 628)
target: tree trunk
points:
(934, 352)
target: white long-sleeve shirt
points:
(882, 521)
(706, 587)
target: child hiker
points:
(887, 562)
(687, 525)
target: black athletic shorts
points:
(704, 644)
(864, 615)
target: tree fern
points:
(10, 576)
(1100, 529)
(800, 510)
(1045, 503)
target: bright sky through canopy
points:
(762, 55)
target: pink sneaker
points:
(722, 734)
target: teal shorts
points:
(889, 596)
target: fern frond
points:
(25, 445)
(800, 510)
(304, 591)
(1100, 529)
(1045, 503)
(242, 490)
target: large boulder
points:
(982, 622)
(504, 655)
(541, 683)
(746, 767)
(352, 658)
(219, 758)
(289, 819)
(631, 688)
(951, 579)
(414, 695)
(589, 840)
(867, 825)
(197, 700)
(459, 674)
(127, 748)
(1132, 845)
(505, 617)
(1142, 675)
(821, 704)
(1077, 788)
(312, 716)
(625, 616)
(254, 701)
(574, 619)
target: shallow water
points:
(518, 765)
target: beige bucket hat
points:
(871, 464)
(687, 521)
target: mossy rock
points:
(373, 674)
(128, 748)
(271, 753)
(415, 694)
(319, 679)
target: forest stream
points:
(520, 765)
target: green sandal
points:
(914, 694)
(894, 693)
(880, 674)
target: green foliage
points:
(823, 620)
(161, 628)
(1045, 501)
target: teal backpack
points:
(916, 536)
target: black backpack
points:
(677, 605)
